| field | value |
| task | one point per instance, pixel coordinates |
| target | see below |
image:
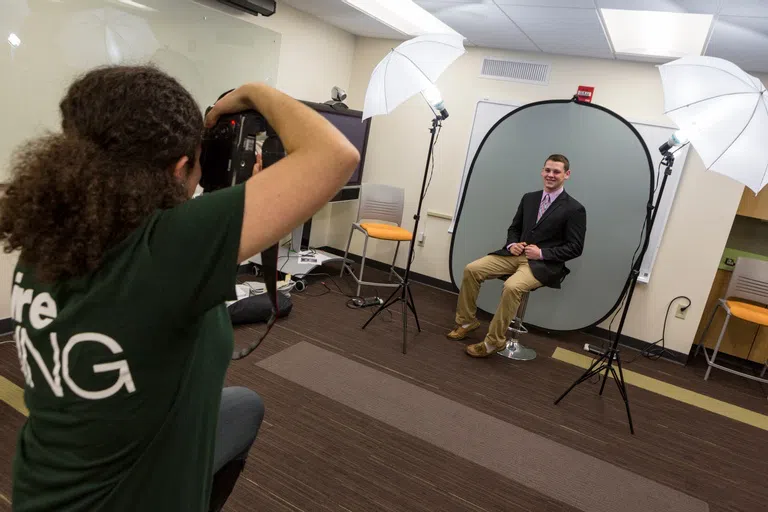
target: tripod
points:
(605, 363)
(402, 293)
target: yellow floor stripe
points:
(13, 395)
(675, 392)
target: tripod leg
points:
(405, 323)
(605, 378)
(412, 305)
(390, 300)
(623, 390)
(586, 375)
(384, 306)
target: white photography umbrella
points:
(723, 112)
(409, 69)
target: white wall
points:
(698, 225)
(314, 57)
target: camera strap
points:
(272, 152)
(269, 268)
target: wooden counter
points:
(754, 205)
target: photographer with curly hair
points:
(118, 296)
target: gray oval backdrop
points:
(611, 175)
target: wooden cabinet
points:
(759, 352)
(754, 206)
(742, 339)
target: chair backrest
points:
(382, 203)
(749, 281)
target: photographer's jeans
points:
(240, 416)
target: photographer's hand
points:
(259, 164)
(234, 102)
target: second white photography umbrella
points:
(723, 112)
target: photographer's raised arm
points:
(319, 161)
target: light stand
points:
(604, 363)
(402, 293)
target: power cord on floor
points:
(351, 296)
(653, 351)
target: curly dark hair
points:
(75, 194)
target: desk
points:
(289, 260)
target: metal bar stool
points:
(382, 204)
(515, 350)
(749, 283)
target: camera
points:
(229, 149)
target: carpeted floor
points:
(528, 459)
(321, 449)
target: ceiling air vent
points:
(516, 71)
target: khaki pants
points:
(490, 267)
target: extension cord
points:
(367, 302)
(595, 350)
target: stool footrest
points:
(518, 352)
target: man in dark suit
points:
(548, 230)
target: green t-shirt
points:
(124, 367)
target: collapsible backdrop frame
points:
(513, 151)
(613, 163)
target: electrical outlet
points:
(681, 312)
(420, 239)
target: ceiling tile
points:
(750, 8)
(576, 4)
(693, 6)
(346, 17)
(483, 24)
(363, 25)
(436, 4)
(561, 30)
(743, 41)
(321, 7)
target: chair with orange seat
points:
(746, 298)
(382, 207)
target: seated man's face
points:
(554, 175)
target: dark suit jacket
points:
(559, 234)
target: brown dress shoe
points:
(459, 333)
(480, 350)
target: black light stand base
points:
(402, 293)
(604, 363)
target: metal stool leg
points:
(394, 260)
(346, 253)
(515, 350)
(362, 264)
(710, 362)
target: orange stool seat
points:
(387, 232)
(749, 312)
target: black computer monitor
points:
(350, 123)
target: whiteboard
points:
(206, 49)
(488, 113)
